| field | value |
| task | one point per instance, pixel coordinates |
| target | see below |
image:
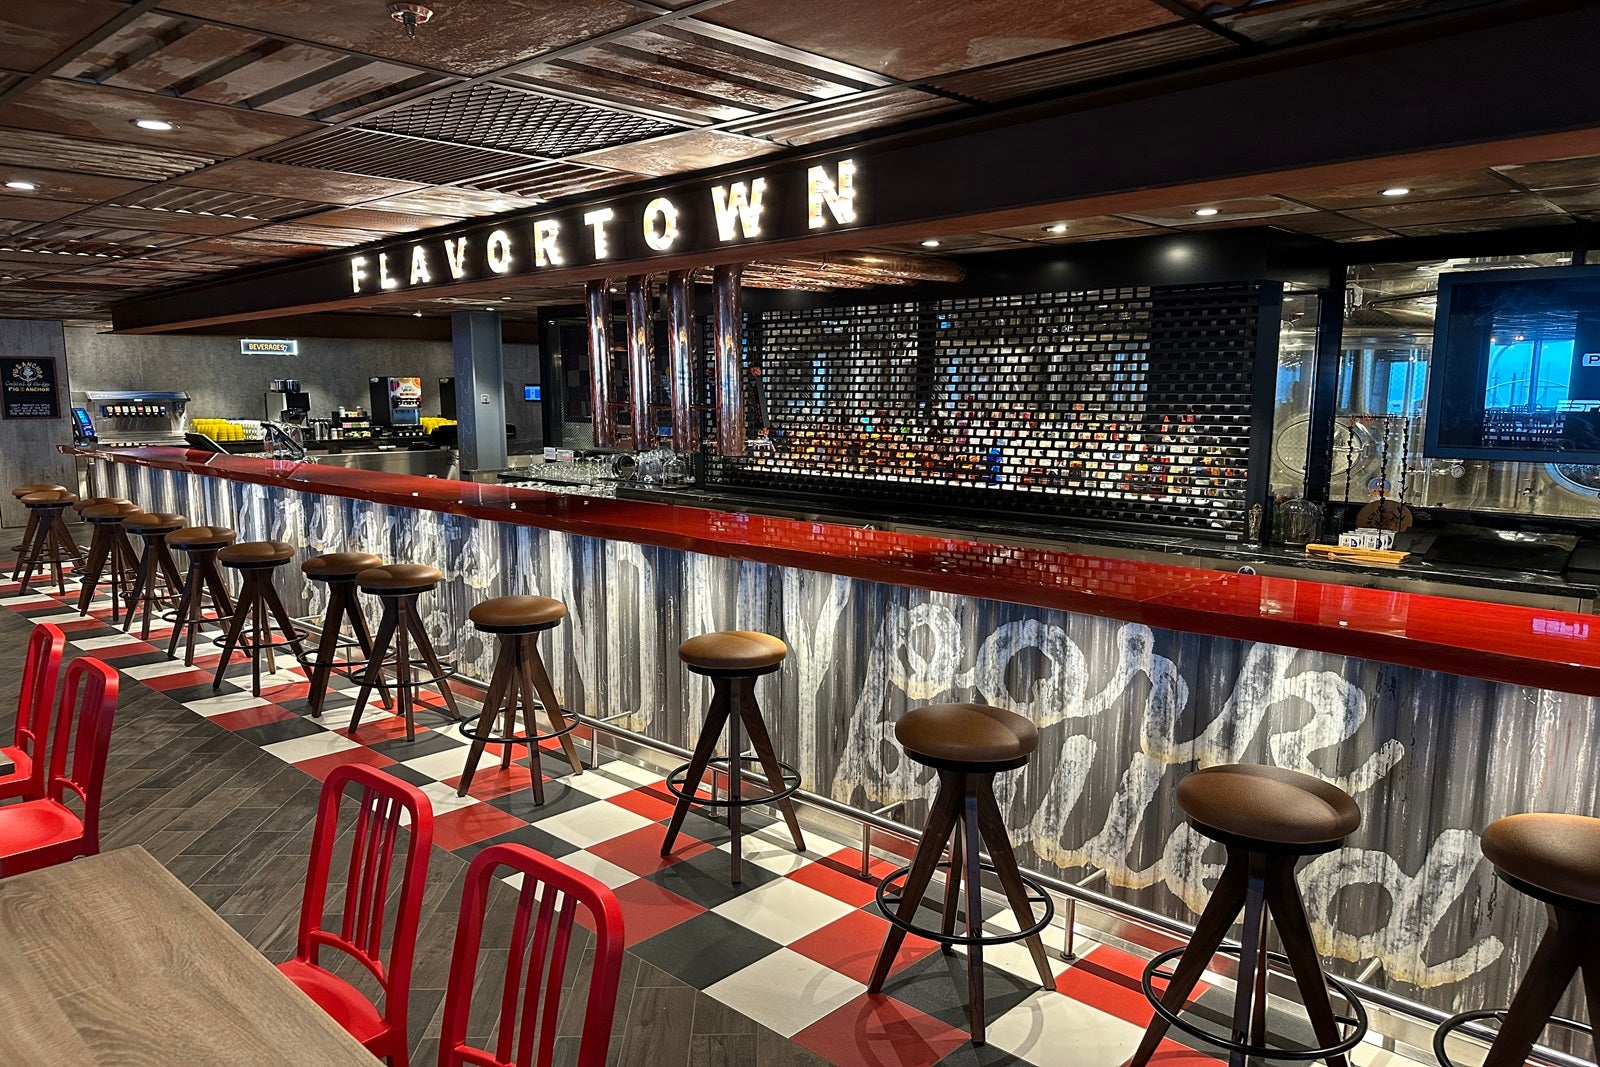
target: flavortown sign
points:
(786, 202)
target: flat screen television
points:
(1515, 373)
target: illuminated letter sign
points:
(498, 251)
(839, 197)
(546, 252)
(660, 236)
(358, 272)
(738, 207)
(598, 219)
(419, 266)
(455, 254)
(384, 280)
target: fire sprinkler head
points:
(410, 16)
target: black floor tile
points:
(937, 986)
(559, 798)
(286, 729)
(705, 878)
(705, 949)
(425, 745)
(532, 836)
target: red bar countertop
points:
(1535, 647)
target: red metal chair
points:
(35, 700)
(41, 833)
(383, 804)
(529, 1029)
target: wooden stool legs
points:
(733, 703)
(1571, 944)
(342, 607)
(1261, 885)
(49, 532)
(29, 531)
(154, 563)
(966, 815)
(398, 628)
(519, 678)
(258, 605)
(109, 548)
(202, 579)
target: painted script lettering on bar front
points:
(723, 215)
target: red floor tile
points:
(377, 731)
(320, 767)
(639, 850)
(1108, 979)
(879, 1031)
(181, 680)
(469, 825)
(647, 909)
(490, 781)
(841, 879)
(850, 946)
(652, 802)
(248, 717)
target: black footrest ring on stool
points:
(791, 784)
(888, 903)
(1357, 1021)
(1456, 1022)
(490, 738)
(277, 641)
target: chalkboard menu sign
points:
(28, 388)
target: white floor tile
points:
(1036, 1029)
(785, 991)
(91, 644)
(783, 910)
(25, 601)
(437, 765)
(146, 671)
(596, 785)
(777, 856)
(627, 772)
(65, 616)
(444, 797)
(337, 718)
(608, 874)
(593, 823)
(225, 702)
(323, 743)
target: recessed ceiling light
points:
(1396, 190)
(488, 309)
(158, 125)
(22, 187)
(932, 242)
(1059, 227)
(505, 298)
(1205, 212)
(416, 314)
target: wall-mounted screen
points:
(1516, 366)
(530, 392)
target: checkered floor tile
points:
(792, 945)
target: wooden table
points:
(111, 960)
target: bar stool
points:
(258, 599)
(968, 744)
(519, 678)
(155, 562)
(398, 585)
(1268, 818)
(733, 660)
(45, 510)
(33, 520)
(96, 501)
(1554, 859)
(202, 579)
(111, 555)
(338, 571)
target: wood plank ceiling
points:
(300, 126)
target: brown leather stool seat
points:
(155, 565)
(333, 566)
(192, 537)
(734, 660)
(401, 635)
(245, 554)
(517, 614)
(36, 487)
(961, 735)
(733, 652)
(1268, 806)
(1267, 818)
(46, 540)
(258, 607)
(968, 744)
(338, 571)
(110, 511)
(94, 501)
(1555, 859)
(519, 684)
(202, 581)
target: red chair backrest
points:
(381, 802)
(530, 1002)
(37, 697)
(81, 738)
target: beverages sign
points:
(28, 388)
(725, 215)
(269, 348)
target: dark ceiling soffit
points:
(1486, 85)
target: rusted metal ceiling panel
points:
(847, 115)
(36, 31)
(178, 198)
(274, 179)
(31, 148)
(547, 181)
(391, 156)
